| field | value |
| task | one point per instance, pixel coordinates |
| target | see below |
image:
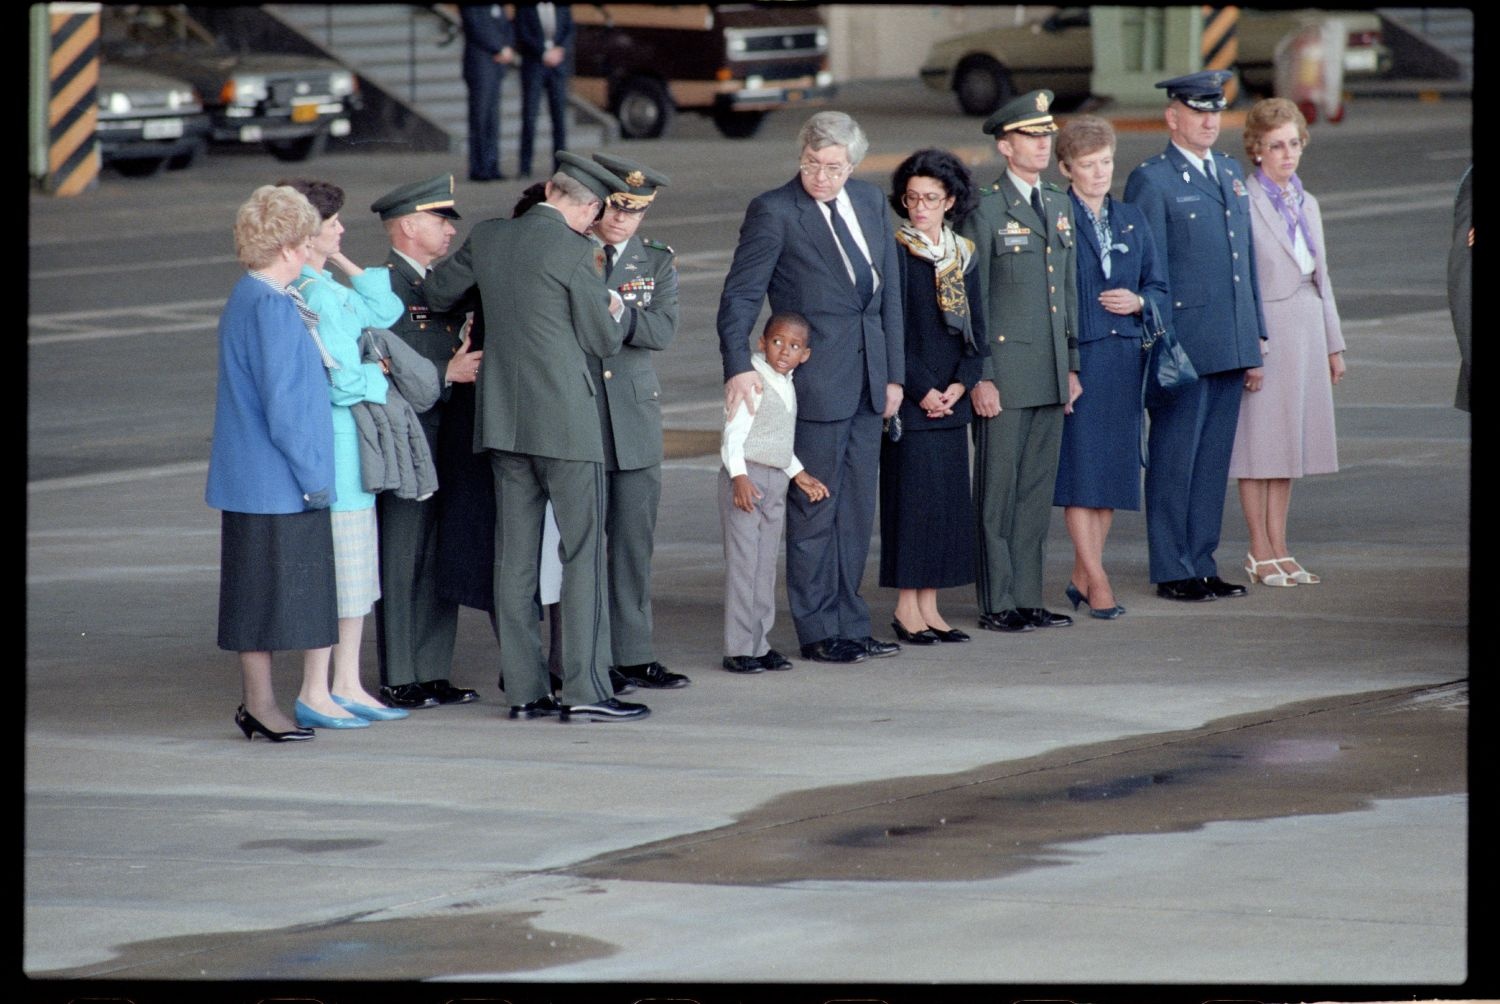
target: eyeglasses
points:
(929, 199)
(832, 172)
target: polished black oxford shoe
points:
(877, 649)
(653, 676)
(1219, 588)
(446, 693)
(617, 681)
(1040, 617)
(743, 664)
(835, 650)
(775, 660)
(608, 710)
(408, 695)
(1006, 620)
(1185, 590)
(542, 707)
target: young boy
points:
(758, 464)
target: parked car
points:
(984, 69)
(290, 103)
(733, 62)
(147, 120)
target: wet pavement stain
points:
(1330, 755)
(400, 949)
(310, 846)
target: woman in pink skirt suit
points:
(1286, 420)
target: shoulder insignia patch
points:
(658, 245)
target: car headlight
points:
(243, 89)
(736, 45)
(341, 83)
(183, 99)
(114, 102)
(822, 38)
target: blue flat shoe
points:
(369, 711)
(307, 718)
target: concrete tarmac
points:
(1260, 798)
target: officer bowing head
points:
(624, 210)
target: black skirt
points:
(277, 590)
(926, 512)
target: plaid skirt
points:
(356, 560)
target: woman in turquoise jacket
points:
(343, 314)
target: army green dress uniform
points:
(1028, 283)
(644, 273)
(415, 628)
(542, 290)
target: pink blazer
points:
(1276, 266)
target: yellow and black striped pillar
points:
(1221, 45)
(72, 104)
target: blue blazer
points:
(486, 34)
(273, 422)
(1203, 230)
(1139, 268)
(529, 38)
(787, 254)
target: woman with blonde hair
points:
(1286, 427)
(271, 467)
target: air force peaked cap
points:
(435, 195)
(1028, 113)
(597, 179)
(1202, 91)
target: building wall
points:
(868, 41)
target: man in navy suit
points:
(544, 33)
(823, 246)
(488, 50)
(1198, 209)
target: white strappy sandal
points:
(1275, 578)
(1301, 576)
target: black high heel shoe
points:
(922, 637)
(250, 725)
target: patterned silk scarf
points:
(950, 258)
(1102, 231)
(1289, 204)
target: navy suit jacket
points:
(1203, 231)
(485, 33)
(529, 38)
(787, 254)
(1139, 268)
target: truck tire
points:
(738, 125)
(982, 85)
(302, 148)
(643, 107)
(138, 167)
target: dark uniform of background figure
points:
(489, 47)
(1461, 281)
(644, 272)
(1202, 229)
(415, 627)
(1028, 282)
(542, 29)
(537, 419)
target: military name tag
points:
(418, 312)
(1014, 241)
(1189, 198)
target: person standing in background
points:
(544, 36)
(488, 50)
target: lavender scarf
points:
(1292, 215)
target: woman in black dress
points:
(926, 511)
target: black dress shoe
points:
(926, 636)
(950, 635)
(616, 680)
(1218, 587)
(539, 708)
(743, 664)
(446, 693)
(654, 676)
(1006, 620)
(607, 710)
(1040, 617)
(835, 650)
(775, 660)
(877, 649)
(408, 695)
(250, 725)
(1185, 590)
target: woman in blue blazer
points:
(1119, 272)
(271, 468)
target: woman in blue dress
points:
(1118, 273)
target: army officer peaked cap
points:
(1202, 91)
(599, 180)
(1028, 113)
(641, 182)
(435, 195)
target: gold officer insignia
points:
(635, 179)
(1041, 102)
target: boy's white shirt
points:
(737, 426)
